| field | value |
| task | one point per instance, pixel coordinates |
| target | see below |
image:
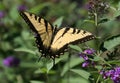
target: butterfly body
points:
(52, 41)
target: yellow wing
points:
(42, 29)
(67, 36)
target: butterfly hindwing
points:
(67, 36)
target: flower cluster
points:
(2, 14)
(113, 74)
(11, 61)
(97, 6)
(22, 8)
(85, 57)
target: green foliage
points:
(112, 42)
(17, 40)
(58, 22)
(75, 48)
(82, 73)
(71, 64)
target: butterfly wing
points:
(42, 29)
(51, 41)
(67, 36)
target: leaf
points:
(25, 50)
(75, 47)
(40, 70)
(29, 64)
(116, 62)
(50, 65)
(36, 81)
(116, 14)
(119, 6)
(2, 6)
(88, 21)
(58, 22)
(81, 72)
(74, 79)
(73, 62)
(5, 45)
(103, 20)
(44, 70)
(112, 42)
(14, 13)
(39, 7)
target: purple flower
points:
(85, 64)
(22, 8)
(11, 61)
(93, 63)
(85, 57)
(2, 14)
(89, 51)
(87, 6)
(113, 74)
(82, 55)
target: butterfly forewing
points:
(42, 28)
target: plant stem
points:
(96, 23)
(96, 27)
(97, 81)
(69, 57)
(47, 78)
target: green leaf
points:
(39, 7)
(50, 65)
(29, 64)
(26, 35)
(2, 6)
(119, 6)
(44, 70)
(103, 20)
(75, 47)
(58, 22)
(14, 13)
(116, 14)
(5, 45)
(73, 62)
(36, 81)
(75, 79)
(96, 58)
(81, 72)
(25, 50)
(40, 70)
(112, 42)
(88, 21)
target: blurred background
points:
(18, 53)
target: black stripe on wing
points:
(65, 47)
(28, 21)
(78, 41)
(39, 41)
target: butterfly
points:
(50, 40)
